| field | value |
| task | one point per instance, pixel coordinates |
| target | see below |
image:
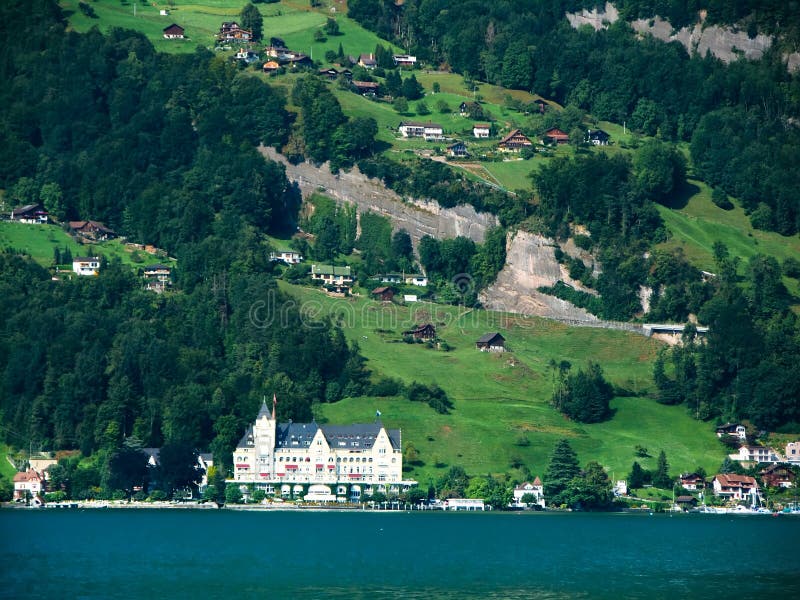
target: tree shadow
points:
(380, 146)
(680, 197)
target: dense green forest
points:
(656, 88)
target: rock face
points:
(723, 42)
(530, 263)
(417, 217)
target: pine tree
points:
(661, 477)
(562, 469)
(636, 476)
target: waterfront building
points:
(319, 462)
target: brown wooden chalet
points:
(778, 476)
(491, 342)
(230, 31)
(422, 332)
(366, 88)
(515, 141)
(173, 32)
(30, 213)
(384, 293)
(555, 136)
(92, 230)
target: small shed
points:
(383, 293)
(422, 332)
(686, 502)
(491, 342)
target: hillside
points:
(502, 399)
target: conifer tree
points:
(562, 469)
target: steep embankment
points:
(530, 263)
(725, 43)
(417, 217)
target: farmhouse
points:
(597, 137)
(32, 214)
(92, 230)
(383, 293)
(778, 476)
(86, 265)
(319, 462)
(692, 481)
(422, 332)
(514, 142)
(481, 130)
(491, 342)
(366, 88)
(230, 31)
(555, 136)
(173, 32)
(457, 150)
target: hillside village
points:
(250, 235)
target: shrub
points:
(386, 386)
(720, 199)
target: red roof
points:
(556, 134)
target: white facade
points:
(757, 454)
(464, 504)
(481, 131)
(319, 462)
(793, 452)
(428, 131)
(88, 265)
(535, 489)
(290, 257)
(27, 484)
(418, 280)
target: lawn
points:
(502, 411)
(39, 241)
(6, 470)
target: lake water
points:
(72, 553)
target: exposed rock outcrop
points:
(417, 217)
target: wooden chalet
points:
(383, 293)
(157, 277)
(230, 31)
(491, 342)
(422, 332)
(555, 136)
(330, 73)
(30, 213)
(514, 142)
(686, 502)
(92, 230)
(173, 32)
(366, 88)
(597, 137)
(367, 61)
(778, 476)
(457, 150)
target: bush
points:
(386, 386)
(584, 242)
(720, 199)
(157, 496)
(791, 267)
(434, 395)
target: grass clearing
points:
(501, 398)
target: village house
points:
(422, 332)
(491, 342)
(415, 279)
(793, 453)
(686, 502)
(756, 454)
(428, 131)
(778, 476)
(290, 257)
(247, 56)
(230, 31)
(541, 105)
(367, 61)
(86, 265)
(404, 60)
(732, 429)
(390, 278)
(270, 66)
(383, 293)
(92, 230)
(535, 489)
(28, 485)
(481, 130)
(514, 142)
(325, 463)
(457, 150)
(692, 481)
(366, 88)
(597, 137)
(336, 279)
(33, 214)
(555, 136)
(734, 487)
(173, 32)
(157, 277)
(330, 74)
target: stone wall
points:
(417, 217)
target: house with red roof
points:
(535, 489)
(28, 484)
(734, 487)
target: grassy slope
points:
(39, 241)
(6, 470)
(500, 398)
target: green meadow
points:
(39, 241)
(502, 413)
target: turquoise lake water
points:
(112, 553)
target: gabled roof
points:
(86, 259)
(513, 134)
(157, 267)
(555, 132)
(481, 126)
(732, 480)
(381, 290)
(490, 337)
(29, 475)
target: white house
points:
(731, 429)
(338, 278)
(86, 265)
(481, 130)
(793, 453)
(756, 454)
(33, 214)
(535, 489)
(735, 487)
(404, 60)
(428, 131)
(290, 257)
(464, 504)
(28, 484)
(319, 462)
(416, 279)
